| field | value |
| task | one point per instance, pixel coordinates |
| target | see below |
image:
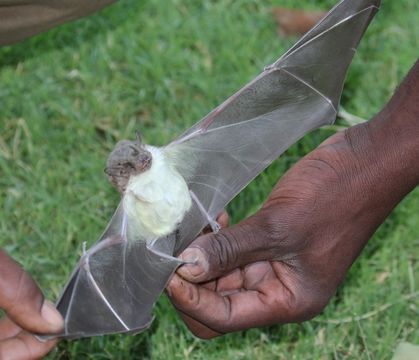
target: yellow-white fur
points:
(156, 200)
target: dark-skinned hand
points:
(284, 263)
(26, 312)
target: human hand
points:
(26, 312)
(284, 263)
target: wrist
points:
(398, 125)
(389, 143)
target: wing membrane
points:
(116, 283)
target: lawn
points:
(68, 95)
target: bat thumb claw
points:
(195, 265)
(190, 262)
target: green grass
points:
(68, 95)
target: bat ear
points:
(134, 150)
(139, 137)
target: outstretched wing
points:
(294, 95)
(116, 282)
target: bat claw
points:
(269, 67)
(215, 226)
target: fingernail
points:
(52, 316)
(195, 263)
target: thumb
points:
(22, 300)
(215, 254)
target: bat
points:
(170, 194)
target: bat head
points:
(126, 159)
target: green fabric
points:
(20, 19)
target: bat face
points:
(127, 159)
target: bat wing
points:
(229, 147)
(116, 283)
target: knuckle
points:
(274, 227)
(193, 299)
(185, 296)
(223, 249)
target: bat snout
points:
(145, 162)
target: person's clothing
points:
(20, 19)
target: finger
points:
(223, 220)
(229, 313)
(24, 347)
(213, 255)
(197, 328)
(23, 301)
(228, 284)
(8, 328)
